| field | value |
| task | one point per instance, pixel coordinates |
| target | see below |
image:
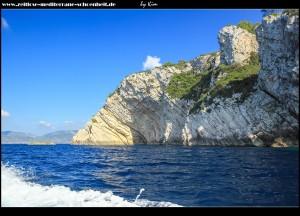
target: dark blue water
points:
(188, 176)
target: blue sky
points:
(58, 66)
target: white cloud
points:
(69, 122)
(4, 23)
(151, 62)
(45, 124)
(4, 113)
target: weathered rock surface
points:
(140, 110)
(236, 45)
(278, 39)
(206, 62)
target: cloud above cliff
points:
(4, 113)
(4, 23)
(151, 62)
(69, 122)
(45, 124)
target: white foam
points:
(140, 193)
(16, 191)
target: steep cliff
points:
(278, 37)
(236, 45)
(215, 99)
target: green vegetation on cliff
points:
(239, 79)
(221, 82)
(94, 120)
(168, 64)
(248, 26)
(180, 65)
(181, 84)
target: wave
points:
(18, 191)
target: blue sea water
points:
(67, 175)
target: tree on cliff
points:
(267, 12)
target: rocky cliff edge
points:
(224, 98)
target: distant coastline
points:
(29, 143)
(41, 143)
(11, 137)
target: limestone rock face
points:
(236, 45)
(278, 39)
(140, 110)
(257, 121)
(206, 62)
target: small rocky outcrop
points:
(236, 45)
(206, 62)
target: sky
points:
(58, 66)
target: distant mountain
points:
(64, 136)
(17, 137)
(58, 136)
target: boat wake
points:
(18, 191)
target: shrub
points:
(254, 59)
(147, 72)
(248, 26)
(255, 25)
(151, 80)
(181, 84)
(181, 64)
(168, 64)
(213, 54)
(117, 91)
(110, 94)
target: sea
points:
(148, 176)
